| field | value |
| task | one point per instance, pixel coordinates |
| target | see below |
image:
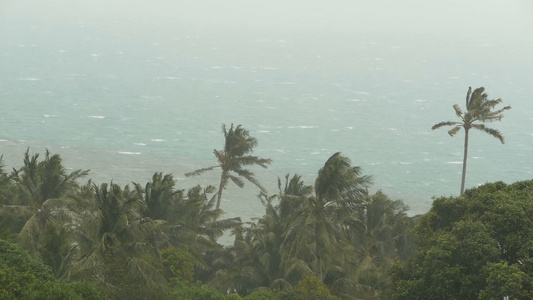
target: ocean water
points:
(128, 104)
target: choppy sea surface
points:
(126, 107)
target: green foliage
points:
(142, 292)
(233, 297)
(160, 196)
(20, 262)
(39, 181)
(13, 283)
(311, 285)
(476, 245)
(132, 241)
(506, 281)
(261, 294)
(59, 290)
(178, 263)
(194, 291)
(24, 277)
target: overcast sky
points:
(395, 16)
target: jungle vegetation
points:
(66, 237)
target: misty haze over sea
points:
(130, 88)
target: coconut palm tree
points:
(478, 110)
(339, 190)
(160, 197)
(258, 260)
(115, 239)
(39, 181)
(231, 160)
(42, 203)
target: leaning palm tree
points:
(315, 229)
(232, 159)
(478, 110)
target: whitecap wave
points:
(96, 117)
(140, 144)
(455, 162)
(157, 140)
(129, 153)
(302, 127)
(30, 79)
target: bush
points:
(59, 290)
(194, 291)
(24, 277)
(262, 294)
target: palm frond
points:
(200, 171)
(447, 123)
(458, 111)
(237, 181)
(492, 132)
(454, 130)
(250, 177)
(142, 268)
(22, 211)
(280, 284)
(253, 160)
(493, 116)
(489, 104)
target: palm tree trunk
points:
(220, 188)
(465, 156)
(319, 261)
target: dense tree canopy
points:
(329, 240)
(324, 241)
(477, 246)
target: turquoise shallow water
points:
(125, 107)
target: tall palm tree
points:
(478, 110)
(235, 155)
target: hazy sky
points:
(402, 49)
(468, 17)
